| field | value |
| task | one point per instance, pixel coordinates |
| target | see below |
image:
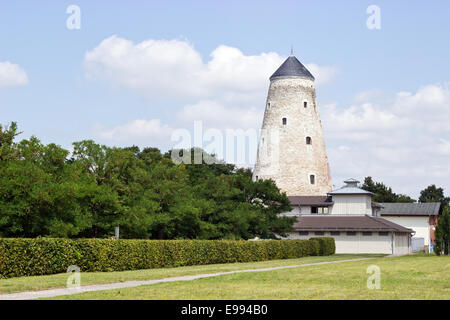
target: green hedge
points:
(28, 257)
(327, 245)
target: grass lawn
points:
(407, 277)
(59, 280)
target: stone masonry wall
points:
(283, 154)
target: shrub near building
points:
(29, 257)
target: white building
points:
(350, 217)
(420, 217)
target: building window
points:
(284, 121)
(268, 105)
(367, 233)
(383, 233)
(308, 140)
(312, 179)
(335, 233)
(303, 233)
(351, 233)
(319, 233)
(305, 104)
(319, 210)
(256, 178)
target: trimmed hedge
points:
(29, 257)
(327, 245)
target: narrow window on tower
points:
(312, 179)
(305, 104)
(308, 140)
(284, 121)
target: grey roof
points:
(346, 223)
(292, 68)
(349, 190)
(411, 209)
(324, 201)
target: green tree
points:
(384, 193)
(434, 194)
(442, 232)
(39, 195)
(45, 191)
(7, 136)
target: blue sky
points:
(366, 75)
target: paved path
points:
(127, 284)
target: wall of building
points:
(433, 221)
(352, 204)
(283, 154)
(402, 243)
(360, 243)
(294, 212)
(419, 224)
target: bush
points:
(29, 257)
(326, 244)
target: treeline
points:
(45, 190)
(383, 193)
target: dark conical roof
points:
(292, 68)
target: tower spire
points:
(292, 50)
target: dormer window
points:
(308, 140)
(312, 179)
(284, 121)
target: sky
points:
(135, 73)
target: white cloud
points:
(220, 116)
(366, 96)
(404, 142)
(12, 75)
(141, 132)
(226, 92)
(322, 74)
(171, 69)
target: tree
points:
(384, 193)
(46, 191)
(7, 136)
(434, 194)
(442, 232)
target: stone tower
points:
(291, 148)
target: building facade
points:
(420, 217)
(350, 217)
